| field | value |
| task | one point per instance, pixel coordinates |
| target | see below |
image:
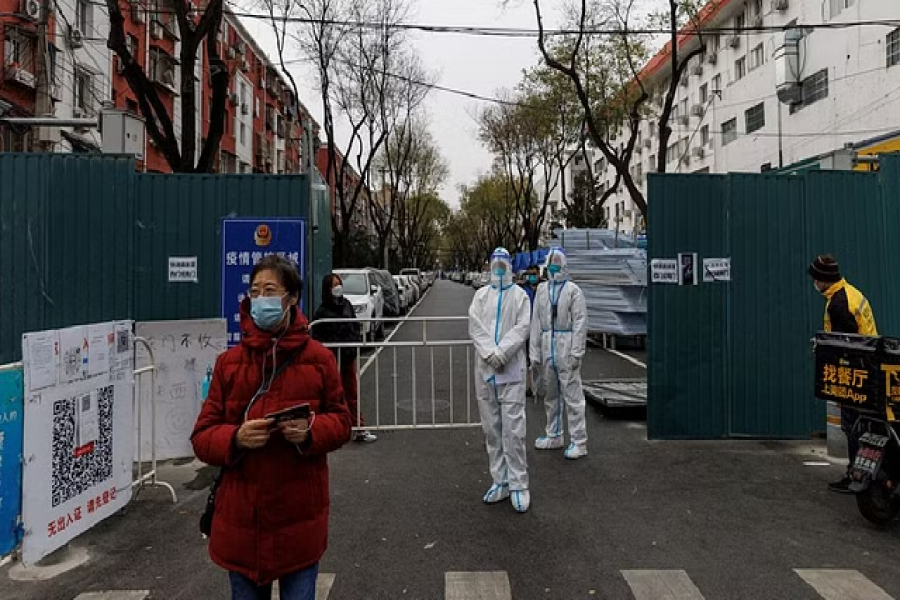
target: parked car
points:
(414, 290)
(389, 290)
(416, 276)
(366, 297)
(404, 293)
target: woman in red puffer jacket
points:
(271, 510)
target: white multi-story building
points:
(248, 108)
(80, 80)
(561, 183)
(766, 94)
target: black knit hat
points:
(825, 268)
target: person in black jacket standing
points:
(335, 306)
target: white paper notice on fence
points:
(182, 351)
(101, 339)
(716, 269)
(664, 270)
(183, 269)
(79, 443)
(121, 363)
(73, 352)
(41, 351)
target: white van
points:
(366, 297)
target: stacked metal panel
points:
(611, 269)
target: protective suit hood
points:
(557, 256)
(500, 259)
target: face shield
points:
(556, 264)
(501, 268)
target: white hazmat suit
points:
(557, 346)
(499, 323)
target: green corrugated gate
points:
(85, 239)
(734, 359)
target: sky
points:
(478, 64)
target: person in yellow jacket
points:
(846, 311)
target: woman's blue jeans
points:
(296, 586)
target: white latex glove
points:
(495, 362)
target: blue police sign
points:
(244, 243)
(12, 408)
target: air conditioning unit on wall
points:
(31, 9)
(734, 41)
(780, 5)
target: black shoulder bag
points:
(207, 517)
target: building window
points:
(755, 7)
(19, 49)
(83, 89)
(243, 139)
(893, 48)
(838, 6)
(704, 93)
(729, 131)
(671, 151)
(83, 16)
(739, 24)
(243, 93)
(740, 68)
(704, 135)
(717, 85)
(755, 117)
(812, 89)
(757, 57)
(162, 68)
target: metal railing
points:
(149, 478)
(449, 368)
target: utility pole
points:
(42, 106)
(385, 200)
(310, 208)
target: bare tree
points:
(679, 12)
(404, 92)
(601, 72)
(192, 31)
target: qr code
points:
(123, 341)
(72, 362)
(74, 471)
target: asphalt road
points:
(732, 520)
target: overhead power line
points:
(525, 32)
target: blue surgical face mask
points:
(267, 312)
(554, 268)
(532, 278)
(500, 272)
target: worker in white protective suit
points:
(557, 346)
(499, 323)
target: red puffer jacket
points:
(271, 516)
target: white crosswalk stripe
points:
(115, 595)
(661, 585)
(488, 585)
(324, 583)
(645, 584)
(837, 584)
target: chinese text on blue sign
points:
(11, 410)
(244, 243)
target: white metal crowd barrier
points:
(150, 477)
(449, 362)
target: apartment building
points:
(772, 89)
(77, 75)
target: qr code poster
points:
(79, 446)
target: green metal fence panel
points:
(83, 238)
(770, 394)
(743, 368)
(181, 215)
(66, 246)
(687, 333)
